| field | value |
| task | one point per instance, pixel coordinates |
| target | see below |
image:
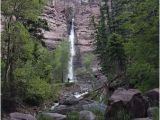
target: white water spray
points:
(72, 54)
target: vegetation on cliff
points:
(127, 42)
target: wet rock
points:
(153, 96)
(55, 116)
(95, 106)
(86, 115)
(151, 111)
(21, 116)
(69, 100)
(65, 109)
(142, 119)
(62, 109)
(130, 100)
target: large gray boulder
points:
(153, 96)
(131, 101)
(86, 115)
(54, 116)
(21, 116)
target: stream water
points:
(72, 54)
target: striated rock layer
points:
(54, 14)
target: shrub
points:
(38, 90)
(156, 115)
(73, 116)
(121, 115)
(143, 76)
(56, 90)
(42, 117)
(99, 114)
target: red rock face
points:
(84, 28)
(55, 17)
(85, 31)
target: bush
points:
(143, 76)
(38, 90)
(99, 114)
(56, 90)
(121, 115)
(156, 115)
(73, 116)
(42, 117)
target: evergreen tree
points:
(131, 44)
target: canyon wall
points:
(58, 14)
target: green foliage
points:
(40, 116)
(56, 90)
(156, 115)
(122, 115)
(38, 90)
(29, 69)
(88, 58)
(73, 116)
(61, 57)
(129, 42)
(26, 9)
(99, 114)
(143, 76)
(81, 71)
(115, 57)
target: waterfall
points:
(72, 53)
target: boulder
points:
(151, 111)
(86, 115)
(62, 109)
(54, 116)
(153, 96)
(65, 109)
(21, 116)
(69, 100)
(131, 101)
(142, 119)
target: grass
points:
(40, 116)
(99, 115)
(156, 115)
(121, 115)
(73, 116)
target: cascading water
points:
(72, 54)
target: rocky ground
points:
(139, 105)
